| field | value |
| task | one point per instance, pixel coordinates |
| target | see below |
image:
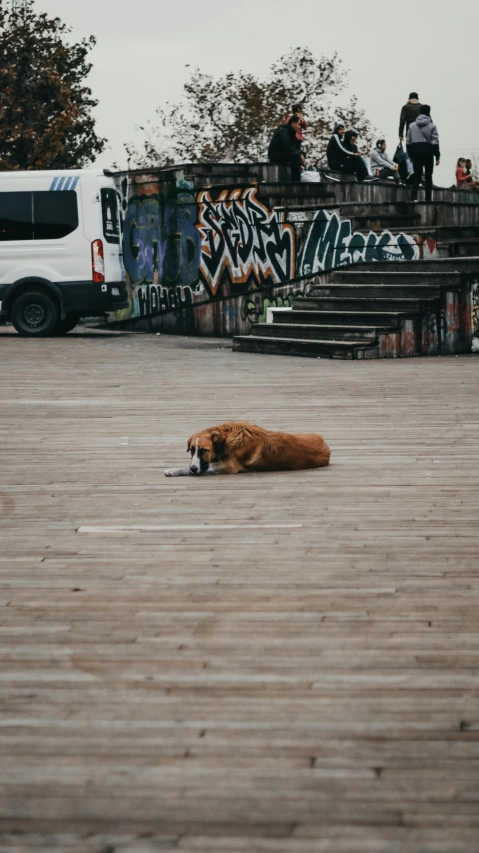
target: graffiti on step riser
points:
(153, 299)
(255, 306)
(161, 243)
(332, 243)
(243, 237)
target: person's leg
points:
(360, 168)
(429, 168)
(287, 160)
(295, 164)
(418, 164)
(368, 167)
(386, 173)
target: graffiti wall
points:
(215, 260)
(331, 243)
(243, 240)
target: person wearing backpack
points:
(423, 149)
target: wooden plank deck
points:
(301, 677)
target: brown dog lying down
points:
(234, 448)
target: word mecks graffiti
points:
(241, 235)
(332, 243)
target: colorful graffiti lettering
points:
(255, 306)
(161, 243)
(240, 235)
(152, 299)
(332, 243)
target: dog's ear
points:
(188, 446)
(218, 438)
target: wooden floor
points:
(283, 663)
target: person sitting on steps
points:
(464, 178)
(381, 164)
(285, 149)
(297, 110)
(350, 140)
(472, 177)
(343, 155)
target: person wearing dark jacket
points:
(285, 149)
(409, 113)
(343, 154)
(350, 138)
(423, 147)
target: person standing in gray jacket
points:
(423, 148)
(381, 164)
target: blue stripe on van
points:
(65, 183)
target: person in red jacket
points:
(464, 181)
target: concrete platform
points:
(283, 662)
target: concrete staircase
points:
(372, 311)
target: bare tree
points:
(232, 118)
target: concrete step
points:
(212, 181)
(467, 232)
(447, 232)
(366, 334)
(358, 275)
(375, 291)
(292, 193)
(323, 199)
(463, 248)
(386, 220)
(411, 306)
(434, 265)
(376, 319)
(298, 346)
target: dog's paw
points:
(176, 472)
(170, 472)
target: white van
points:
(60, 249)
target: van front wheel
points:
(35, 314)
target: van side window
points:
(37, 215)
(110, 211)
(16, 216)
(55, 214)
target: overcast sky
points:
(390, 48)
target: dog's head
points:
(205, 448)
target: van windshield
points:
(110, 211)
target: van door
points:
(111, 224)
